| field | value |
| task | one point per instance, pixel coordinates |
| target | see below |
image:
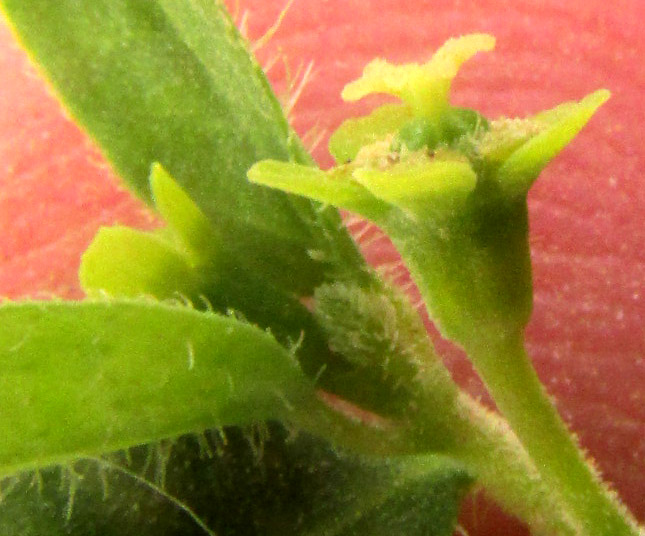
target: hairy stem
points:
(449, 422)
(492, 452)
(521, 398)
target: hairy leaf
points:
(260, 482)
(85, 378)
(171, 81)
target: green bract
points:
(168, 263)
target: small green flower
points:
(447, 185)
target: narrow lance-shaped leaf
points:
(183, 216)
(86, 378)
(172, 81)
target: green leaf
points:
(171, 81)
(412, 496)
(85, 378)
(297, 486)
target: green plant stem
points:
(521, 398)
(484, 441)
(481, 442)
(492, 452)
(452, 423)
(501, 360)
(387, 438)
